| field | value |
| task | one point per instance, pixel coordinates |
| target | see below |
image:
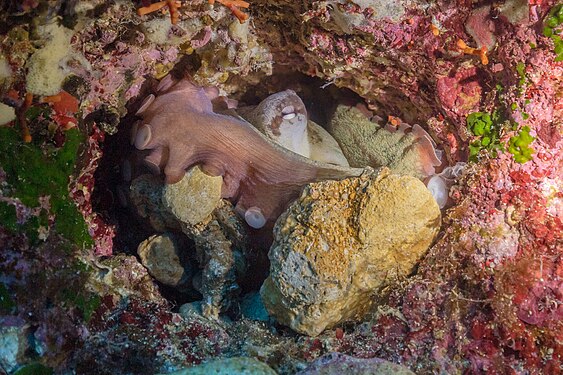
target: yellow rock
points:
(330, 257)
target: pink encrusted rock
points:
(481, 27)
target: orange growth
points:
(234, 6)
(21, 117)
(481, 52)
(172, 8)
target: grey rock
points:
(339, 364)
(229, 366)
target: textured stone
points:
(341, 242)
(13, 342)
(160, 254)
(193, 198)
(337, 364)
(229, 366)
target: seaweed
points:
(36, 170)
(486, 129)
(552, 29)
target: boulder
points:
(341, 242)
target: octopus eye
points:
(288, 112)
(254, 217)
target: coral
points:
(256, 172)
(172, 8)
(233, 6)
(339, 244)
(48, 66)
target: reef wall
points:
(483, 80)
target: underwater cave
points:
(289, 187)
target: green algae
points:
(37, 170)
(519, 145)
(552, 29)
(487, 129)
(87, 303)
(484, 126)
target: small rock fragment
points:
(160, 254)
(145, 194)
(193, 198)
(13, 342)
(341, 242)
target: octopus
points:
(265, 155)
(179, 129)
(282, 117)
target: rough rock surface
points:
(160, 254)
(145, 194)
(337, 363)
(193, 198)
(194, 205)
(341, 242)
(229, 366)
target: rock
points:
(13, 342)
(341, 242)
(145, 194)
(229, 366)
(193, 199)
(160, 254)
(192, 308)
(128, 278)
(189, 201)
(337, 364)
(194, 205)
